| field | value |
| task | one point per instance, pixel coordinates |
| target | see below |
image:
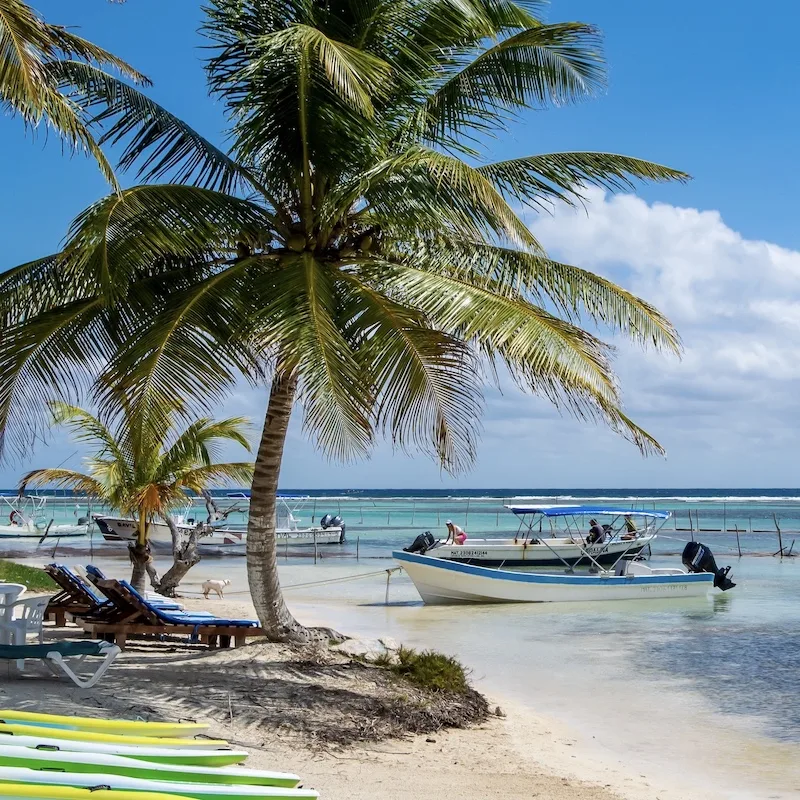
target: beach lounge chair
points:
(152, 620)
(55, 656)
(80, 598)
(91, 574)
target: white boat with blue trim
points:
(551, 535)
(442, 581)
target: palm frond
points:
(63, 479)
(160, 143)
(574, 292)
(546, 64)
(427, 395)
(231, 474)
(562, 176)
(354, 75)
(335, 392)
(122, 234)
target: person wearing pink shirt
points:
(455, 533)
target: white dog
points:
(214, 586)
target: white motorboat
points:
(27, 519)
(441, 581)
(564, 539)
(223, 539)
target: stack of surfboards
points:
(81, 758)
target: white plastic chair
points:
(23, 618)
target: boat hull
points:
(508, 553)
(32, 532)
(221, 542)
(441, 582)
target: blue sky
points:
(706, 87)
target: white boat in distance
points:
(440, 581)
(27, 519)
(227, 540)
(565, 540)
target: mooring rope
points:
(325, 582)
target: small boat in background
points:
(27, 519)
(221, 538)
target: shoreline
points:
(530, 750)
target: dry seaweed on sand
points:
(256, 694)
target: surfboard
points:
(97, 763)
(120, 726)
(112, 738)
(17, 791)
(158, 755)
(199, 791)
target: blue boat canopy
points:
(566, 511)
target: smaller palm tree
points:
(143, 468)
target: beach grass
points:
(431, 670)
(35, 579)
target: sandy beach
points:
(514, 755)
(282, 705)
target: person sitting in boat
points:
(597, 534)
(455, 533)
(630, 529)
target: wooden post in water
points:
(438, 523)
(778, 528)
(314, 511)
(315, 547)
(466, 516)
(737, 540)
(358, 542)
(691, 524)
(413, 511)
(725, 520)
(388, 514)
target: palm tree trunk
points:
(262, 553)
(139, 554)
(184, 557)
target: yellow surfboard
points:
(12, 791)
(118, 738)
(119, 726)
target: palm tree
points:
(144, 468)
(356, 249)
(42, 76)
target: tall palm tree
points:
(42, 76)
(144, 468)
(356, 248)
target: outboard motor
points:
(699, 558)
(330, 521)
(421, 544)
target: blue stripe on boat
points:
(538, 577)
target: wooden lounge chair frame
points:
(145, 621)
(76, 601)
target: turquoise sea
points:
(707, 688)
